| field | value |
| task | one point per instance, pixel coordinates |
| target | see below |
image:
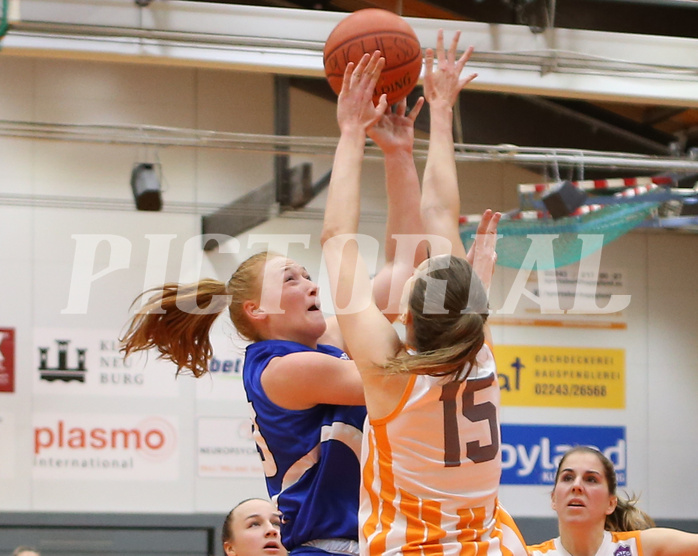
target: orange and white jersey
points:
(431, 471)
(613, 544)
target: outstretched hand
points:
(355, 103)
(482, 255)
(395, 129)
(443, 85)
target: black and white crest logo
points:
(62, 371)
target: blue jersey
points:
(310, 456)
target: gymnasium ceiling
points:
(651, 129)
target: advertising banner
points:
(541, 376)
(224, 380)
(226, 448)
(531, 453)
(123, 447)
(7, 360)
(89, 362)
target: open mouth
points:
(575, 504)
(273, 545)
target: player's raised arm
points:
(440, 195)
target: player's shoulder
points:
(619, 536)
(548, 547)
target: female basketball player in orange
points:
(595, 521)
(431, 460)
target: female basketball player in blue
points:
(305, 395)
(431, 460)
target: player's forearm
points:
(343, 199)
(440, 177)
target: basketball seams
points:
(366, 31)
(384, 72)
(408, 36)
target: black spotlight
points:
(145, 184)
(563, 199)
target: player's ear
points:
(252, 310)
(612, 503)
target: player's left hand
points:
(355, 102)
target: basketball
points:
(366, 31)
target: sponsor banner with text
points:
(579, 288)
(83, 361)
(106, 447)
(531, 453)
(540, 376)
(226, 448)
(224, 380)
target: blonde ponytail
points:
(628, 517)
(448, 305)
(177, 320)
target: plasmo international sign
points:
(531, 453)
(105, 447)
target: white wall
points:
(38, 261)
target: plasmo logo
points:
(91, 446)
(531, 453)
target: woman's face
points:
(290, 304)
(581, 493)
(255, 530)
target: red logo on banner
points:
(7, 359)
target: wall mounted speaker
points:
(145, 184)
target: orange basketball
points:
(369, 30)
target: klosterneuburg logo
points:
(69, 364)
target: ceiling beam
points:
(675, 18)
(564, 63)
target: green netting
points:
(548, 244)
(4, 22)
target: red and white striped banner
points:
(629, 187)
(584, 209)
(592, 185)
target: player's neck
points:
(580, 541)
